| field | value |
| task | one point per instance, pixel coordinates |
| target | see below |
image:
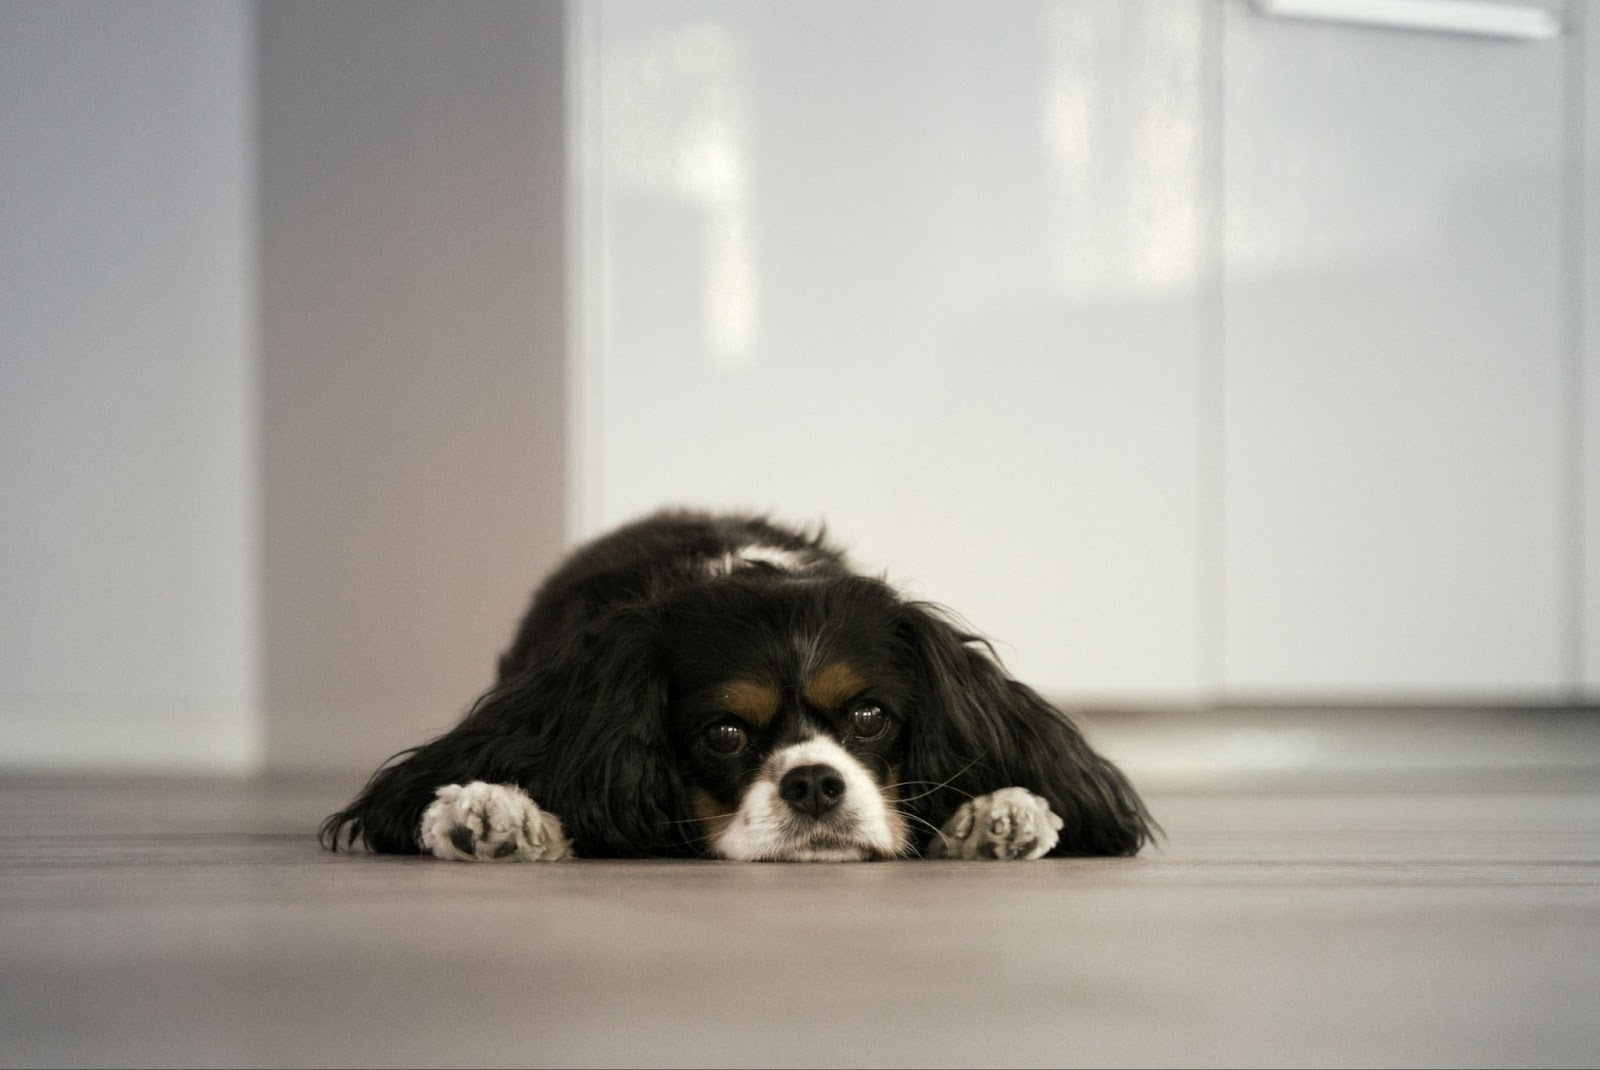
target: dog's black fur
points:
(590, 712)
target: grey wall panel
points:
(412, 359)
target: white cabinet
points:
(1393, 409)
(1189, 352)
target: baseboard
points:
(1319, 746)
(138, 735)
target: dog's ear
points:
(583, 728)
(608, 765)
(977, 730)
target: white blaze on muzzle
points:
(861, 825)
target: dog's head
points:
(765, 715)
(790, 710)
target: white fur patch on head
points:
(778, 557)
(863, 825)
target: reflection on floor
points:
(1331, 915)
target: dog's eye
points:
(868, 722)
(726, 738)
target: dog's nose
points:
(812, 789)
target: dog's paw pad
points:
(481, 822)
(1009, 824)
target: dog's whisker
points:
(907, 814)
(936, 786)
(937, 831)
(697, 820)
(946, 783)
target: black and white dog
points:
(722, 686)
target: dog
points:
(725, 686)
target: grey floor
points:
(1372, 919)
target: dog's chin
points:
(801, 839)
(816, 843)
(826, 854)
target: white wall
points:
(128, 630)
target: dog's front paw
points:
(1012, 823)
(481, 822)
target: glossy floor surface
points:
(197, 922)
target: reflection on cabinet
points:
(926, 271)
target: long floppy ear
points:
(978, 731)
(583, 730)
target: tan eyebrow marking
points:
(752, 700)
(833, 685)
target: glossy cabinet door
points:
(1394, 420)
(925, 270)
